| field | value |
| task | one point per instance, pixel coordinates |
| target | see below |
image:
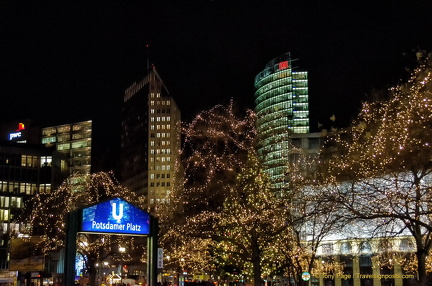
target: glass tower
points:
(281, 105)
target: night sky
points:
(67, 61)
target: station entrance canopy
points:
(114, 216)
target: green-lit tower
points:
(281, 105)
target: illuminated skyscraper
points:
(281, 105)
(150, 142)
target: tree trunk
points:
(256, 261)
(421, 261)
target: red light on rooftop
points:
(283, 65)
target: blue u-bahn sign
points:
(115, 216)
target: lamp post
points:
(122, 250)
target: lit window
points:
(47, 140)
(61, 147)
(46, 161)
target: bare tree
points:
(381, 172)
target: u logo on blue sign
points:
(116, 216)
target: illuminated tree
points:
(249, 222)
(216, 146)
(47, 218)
(382, 170)
(226, 212)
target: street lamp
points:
(122, 250)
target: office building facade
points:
(74, 140)
(282, 109)
(25, 171)
(150, 142)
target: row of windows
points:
(300, 75)
(29, 161)
(284, 82)
(67, 137)
(24, 188)
(162, 143)
(160, 151)
(157, 176)
(11, 227)
(160, 184)
(163, 110)
(278, 75)
(365, 247)
(11, 202)
(159, 193)
(299, 83)
(300, 114)
(275, 99)
(300, 129)
(33, 161)
(274, 124)
(152, 201)
(160, 159)
(281, 74)
(47, 140)
(162, 102)
(158, 127)
(86, 126)
(74, 145)
(159, 118)
(261, 96)
(161, 167)
(160, 135)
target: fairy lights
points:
(385, 164)
(49, 211)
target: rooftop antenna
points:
(148, 56)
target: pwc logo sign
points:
(115, 216)
(18, 132)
